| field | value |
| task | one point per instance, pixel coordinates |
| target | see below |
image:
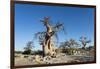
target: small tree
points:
(68, 46)
(84, 41)
(28, 48)
(69, 43)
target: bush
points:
(68, 51)
(27, 52)
(38, 52)
(26, 56)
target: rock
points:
(47, 59)
(39, 59)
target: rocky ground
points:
(60, 58)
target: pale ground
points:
(59, 59)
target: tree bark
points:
(49, 34)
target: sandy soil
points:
(59, 59)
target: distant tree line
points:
(67, 46)
(72, 43)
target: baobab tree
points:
(46, 37)
(84, 41)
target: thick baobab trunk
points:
(84, 46)
(47, 42)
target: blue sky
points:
(77, 22)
